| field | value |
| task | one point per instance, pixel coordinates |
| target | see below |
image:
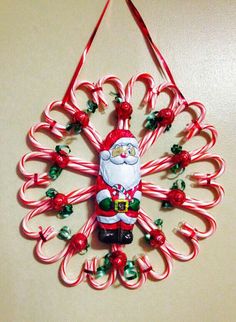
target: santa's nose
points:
(123, 155)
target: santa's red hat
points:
(118, 136)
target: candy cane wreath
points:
(118, 209)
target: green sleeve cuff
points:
(106, 204)
(134, 204)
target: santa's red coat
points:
(114, 195)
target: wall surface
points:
(41, 42)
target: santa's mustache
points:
(120, 160)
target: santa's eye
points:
(131, 151)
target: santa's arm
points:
(135, 203)
(104, 200)
(103, 196)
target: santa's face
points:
(124, 153)
(120, 165)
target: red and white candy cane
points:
(132, 274)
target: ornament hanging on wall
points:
(120, 177)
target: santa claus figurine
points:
(118, 187)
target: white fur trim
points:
(138, 195)
(105, 155)
(103, 194)
(120, 216)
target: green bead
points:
(51, 193)
(77, 128)
(66, 211)
(151, 121)
(69, 126)
(54, 172)
(92, 106)
(130, 271)
(64, 233)
(167, 128)
(175, 168)
(176, 149)
(58, 148)
(179, 184)
(118, 99)
(159, 222)
(166, 205)
(147, 237)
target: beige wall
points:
(41, 42)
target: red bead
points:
(59, 201)
(176, 197)
(78, 242)
(157, 238)
(183, 158)
(118, 259)
(124, 110)
(165, 116)
(81, 117)
(61, 159)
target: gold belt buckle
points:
(121, 205)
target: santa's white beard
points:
(128, 175)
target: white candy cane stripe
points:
(93, 136)
(218, 195)
(49, 259)
(152, 190)
(90, 225)
(149, 139)
(165, 163)
(33, 213)
(189, 206)
(161, 194)
(81, 195)
(150, 98)
(64, 274)
(173, 252)
(145, 223)
(129, 284)
(204, 215)
(34, 156)
(82, 166)
(112, 80)
(168, 265)
(56, 126)
(176, 99)
(86, 86)
(94, 282)
(36, 128)
(155, 166)
(184, 257)
(28, 184)
(150, 95)
(220, 166)
(143, 216)
(191, 129)
(151, 136)
(212, 141)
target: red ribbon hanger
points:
(156, 54)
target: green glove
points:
(106, 204)
(134, 204)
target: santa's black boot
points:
(108, 236)
(126, 236)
